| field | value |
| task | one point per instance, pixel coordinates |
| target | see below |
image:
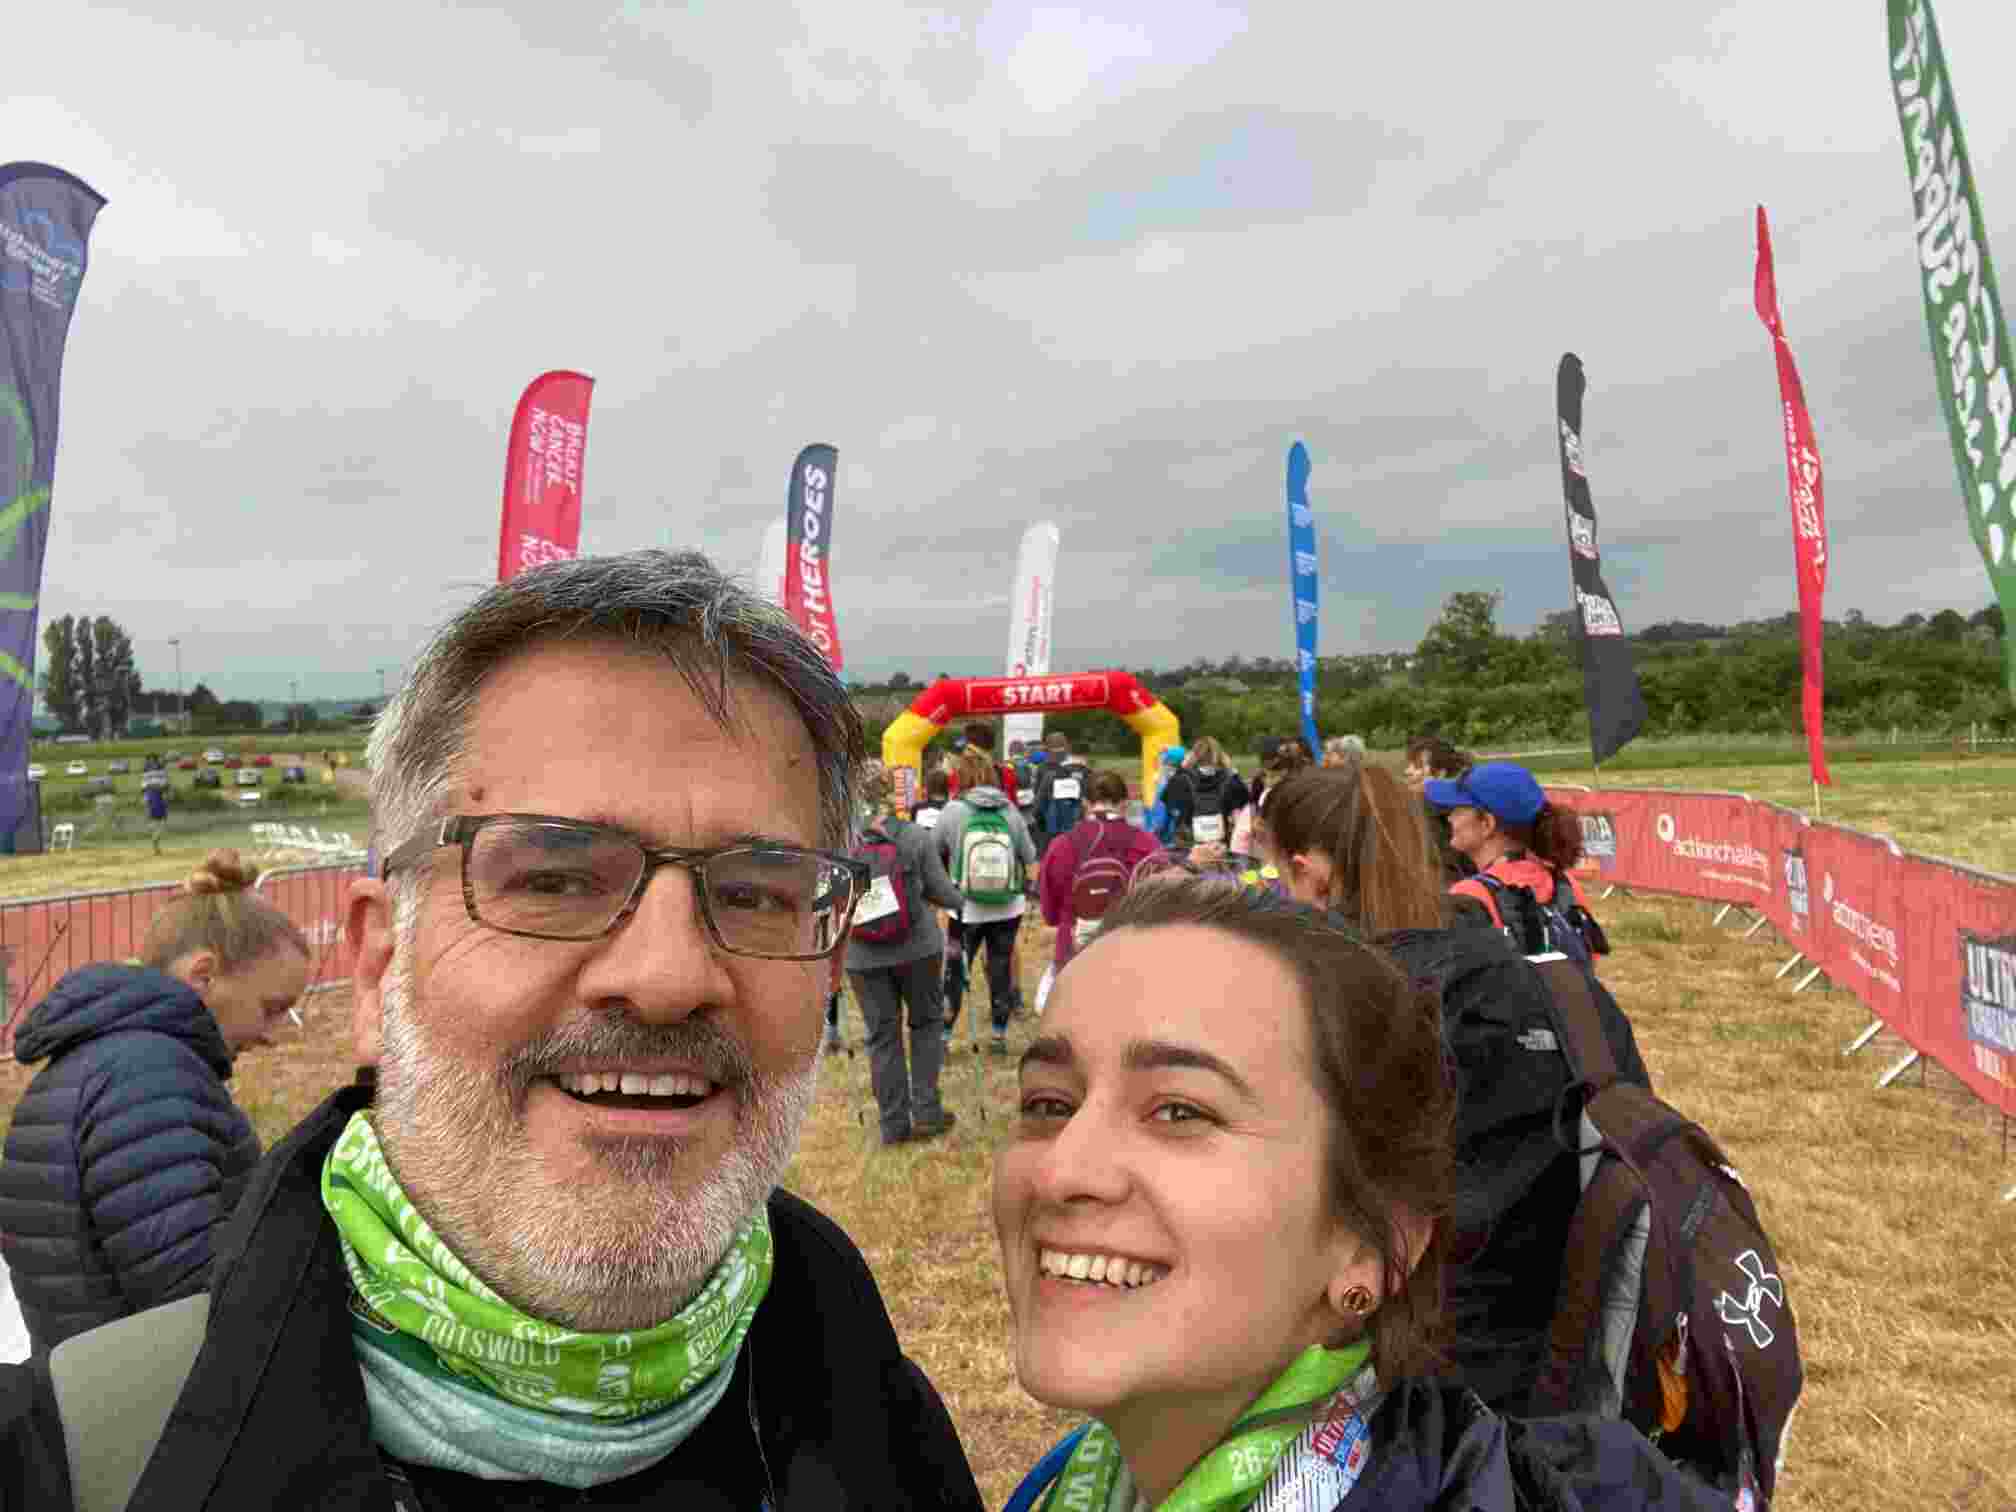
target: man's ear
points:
(367, 929)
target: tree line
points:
(90, 684)
(1477, 686)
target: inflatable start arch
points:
(953, 698)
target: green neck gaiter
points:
(1233, 1473)
(438, 1318)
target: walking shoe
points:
(1000, 1043)
(897, 1139)
(833, 1040)
(933, 1128)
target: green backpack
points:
(984, 867)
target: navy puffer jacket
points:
(125, 1153)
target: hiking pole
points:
(973, 1025)
(28, 991)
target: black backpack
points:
(882, 917)
(1537, 928)
(1207, 806)
(1058, 813)
(1672, 1311)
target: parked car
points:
(37, 773)
(247, 777)
(186, 764)
(118, 764)
(209, 777)
(97, 784)
(213, 756)
(232, 763)
(76, 769)
(171, 755)
(262, 761)
(293, 774)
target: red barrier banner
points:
(1928, 946)
(1855, 888)
(44, 939)
(1698, 845)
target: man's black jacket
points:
(824, 1410)
(125, 1155)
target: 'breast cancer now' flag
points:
(1970, 339)
(542, 474)
(1609, 677)
(1809, 510)
(45, 225)
(1029, 623)
(1302, 588)
(808, 548)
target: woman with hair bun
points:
(1500, 819)
(126, 1152)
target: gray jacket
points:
(924, 883)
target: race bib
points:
(1065, 788)
(927, 819)
(878, 902)
(1025, 797)
(1208, 828)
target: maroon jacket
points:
(1114, 837)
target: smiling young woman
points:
(1220, 1227)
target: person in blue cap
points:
(1157, 820)
(1500, 819)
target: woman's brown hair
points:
(1554, 836)
(1376, 1060)
(1385, 873)
(216, 910)
(975, 769)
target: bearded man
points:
(541, 1259)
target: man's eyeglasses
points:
(564, 879)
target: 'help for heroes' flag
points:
(808, 547)
(45, 225)
(542, 474)
(1302, 587)
(1809, 510)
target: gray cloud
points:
(1098, 265)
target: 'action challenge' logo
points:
(1717, 853)
(1868, 932)
(1796, 896)
(1988, 1004)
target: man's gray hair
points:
(711, 630)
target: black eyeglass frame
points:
(461, 830)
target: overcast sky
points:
(1095, 264)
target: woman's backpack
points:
(1537, 928)
(984, 865)
(1672, 1311)
(1208, 819)
(882, 917)
(1097, 881)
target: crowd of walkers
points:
(1280, 1211)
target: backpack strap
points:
(1572, 1007)
(1596, 1310)
(115, 1388)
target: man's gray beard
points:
(587, 1258)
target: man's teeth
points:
(635, 1084)
(1112, 1270)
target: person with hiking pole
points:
(893, 963)
(986, 847)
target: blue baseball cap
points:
(1501, 788)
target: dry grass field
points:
(1899, 1259)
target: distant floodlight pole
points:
(295, 708)
(181, 719)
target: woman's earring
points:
(1357, 1301)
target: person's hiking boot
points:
(833, 1041)
(933, 1128)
